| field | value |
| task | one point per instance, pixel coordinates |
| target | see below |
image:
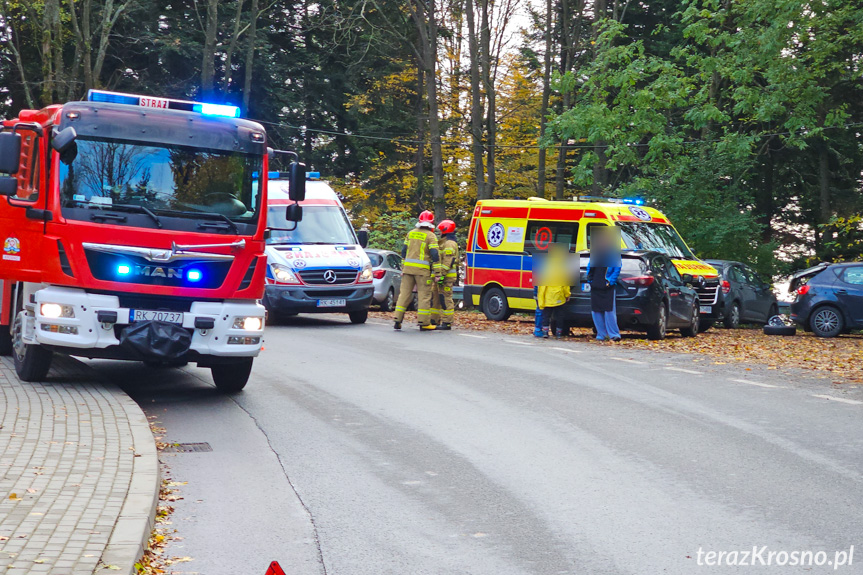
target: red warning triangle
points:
(274, 569)
(480, 237)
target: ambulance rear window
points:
(540, 235)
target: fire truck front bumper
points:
(96, 325)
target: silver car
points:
(387, 274)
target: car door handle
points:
(841, 292)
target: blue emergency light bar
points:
(221, 110)
(628, 201)
(284, 175)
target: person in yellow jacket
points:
(553, 290)
(443, 307)
(421, 267)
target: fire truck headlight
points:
(55, 310)
(252, 323)
(284, 275)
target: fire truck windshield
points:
(659, 237)
(172, 182)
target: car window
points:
(657, 266)
(734, 274)
(394, 262)
(632, 267)
(750, 276)
(853, 275)
(376, 259)
(540, 235)
(672, 272)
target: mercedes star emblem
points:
(330, 276)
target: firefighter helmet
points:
(446, 227)
(427, 216)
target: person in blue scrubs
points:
(602, 273)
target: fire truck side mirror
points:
(10, 152)
(294, 213)
(8, 186)
(64, 139)
(297, 184)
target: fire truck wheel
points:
(5, 340)
(32, 362)
(232, 377)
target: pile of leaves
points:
(154, 561)
(839, 359)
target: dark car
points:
(828, 298)
(745, 297)
(651, 296)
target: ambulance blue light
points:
(633, 201)
(123, 270)
(112, 98)
(194, 275)
(217, 110)
(313, 175)
(274, 175)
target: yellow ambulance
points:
(505, 235)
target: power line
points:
(402, 140)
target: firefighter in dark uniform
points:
(450, 262)
(421, 267)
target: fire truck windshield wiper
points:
(211, 215)
(137, 208)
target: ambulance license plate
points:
(706, 309)
(149, 315)
(332, 303)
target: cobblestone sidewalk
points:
(78, 474)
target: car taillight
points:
(803, 290)
(639, 281)
(379, 274)
(726, 286)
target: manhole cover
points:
(187, 447)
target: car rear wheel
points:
(732, 318)
(658, 330)
(232, 377)
(32, 362)
(389, 302)
(827, 322)
(359, 316)
(494, 305)
(694, 323)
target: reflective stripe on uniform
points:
(449, 312)
(416, 263)
(400, 308)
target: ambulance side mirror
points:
(363, 237)
(10, 153)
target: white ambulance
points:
(316, 265)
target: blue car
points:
(828, 298)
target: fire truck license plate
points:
(331, 303)
(147, 315)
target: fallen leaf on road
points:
(3, 538)
(31, 490)
(111, 567)
(14, 497)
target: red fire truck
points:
(133, 228)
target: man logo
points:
(158, 272)
(330, 276)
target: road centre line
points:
(566, 349)
(758, 383)
(472, 335)
(693, 372)
(517, 342)
(840, 399)
(626, 360)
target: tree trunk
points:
(208, 58)
(488, 86)
(600, 173)
(232, 47)
(434, 119)
(250, 55)
(825, 211)
(88, 44)
(422, 117)
(546, 95)
(48, 78)
(476, 115)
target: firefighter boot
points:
(445, 326)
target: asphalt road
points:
(359, 450)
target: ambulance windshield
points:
(321, 225)
(169, 181)
(658, 237)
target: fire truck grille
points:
(331, 277)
